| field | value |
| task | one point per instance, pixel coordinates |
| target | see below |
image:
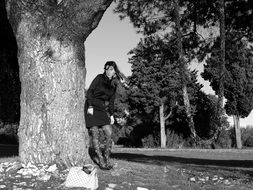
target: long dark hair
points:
(114, 81)
(114, 65)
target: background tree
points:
(221, 62)
(154, 85)
(236, 12)
(205, 118)
(239, 90)
(183, 68)
(153, 82)
(238, 85)
(50, 37)
(238, 18)
(201, 20)
(155, 17)
(232, 17)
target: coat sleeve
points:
(111, 103)
(90, 92)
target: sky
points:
(112, 40)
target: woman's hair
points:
(114, 65)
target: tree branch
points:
(100, 13)
(85, 14)
(59, 1)
(65, 19)
(167, 117)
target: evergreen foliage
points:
(155, 78)
(238, 82)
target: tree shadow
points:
(243, 167)
(165, 160)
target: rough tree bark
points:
(50, 35)
(183, 70)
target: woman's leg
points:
(96, 145)
(108, 145)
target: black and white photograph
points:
(126, 94)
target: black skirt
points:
(100, 115)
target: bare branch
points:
(167, 117)
(59, 1)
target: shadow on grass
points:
(12, 150)
(243, 167)
(165, 160)
(7, 150)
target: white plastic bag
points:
(77, 177)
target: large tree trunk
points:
(183, 71)
(238, 138)
(50, 37)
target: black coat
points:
(101, 96)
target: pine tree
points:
(238, 85)
(155, 17)
(50, 36)
(153, 83)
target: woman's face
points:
(110, 72)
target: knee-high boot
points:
(108, 147)
(97, 148)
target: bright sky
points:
(112, 40)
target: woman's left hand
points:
(112, 120)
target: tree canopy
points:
(156, 78)
(199, 20)
(238, 83)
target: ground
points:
(156, 169)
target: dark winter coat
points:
(101, 96)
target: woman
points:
(99, 110)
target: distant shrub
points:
(224, 140)
(124, 136)
(8, 133)
(116, 133)
(248, 142)
(118, 136)
(206, 144)
(189, 143)
(150, 141)
(174, 140)
(247, 136)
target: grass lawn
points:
(159, 171)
